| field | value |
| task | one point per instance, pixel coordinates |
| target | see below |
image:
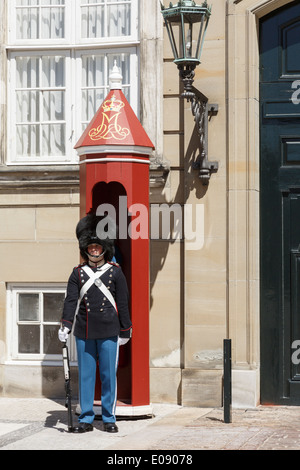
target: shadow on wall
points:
(189, 182)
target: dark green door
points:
(280, 205)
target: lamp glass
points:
(186, 25)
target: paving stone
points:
(41, 424)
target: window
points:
(40, 105)
(106, 18)
(61, 53)
(40, 21)
(36, 314)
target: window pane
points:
(105, 18)
(28, 23)
(28, 307)
(28, 140)
(93, 68)
(119, 20)
(53, 106)
(52, 345)
(53, 140)
(53, 71)
(40, 19)
(29, 339)
(93, 85)
(27, 72)
(53, 23)
(93, 22)
(28, 106)
(53, 306)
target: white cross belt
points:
(94, 278)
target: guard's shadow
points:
(57, 417)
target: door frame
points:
(243, 163)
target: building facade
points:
(208, 282)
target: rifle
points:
(68, 403)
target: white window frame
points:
(72, 47)
(12, 36)
(73, 16)
(133, 37)
(13, 290)
(73, 101)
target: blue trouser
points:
(106, 351)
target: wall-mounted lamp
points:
(186, 24)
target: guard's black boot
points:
(111, 427)
(83, 427)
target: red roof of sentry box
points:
(115, 123)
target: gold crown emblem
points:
(113, 105)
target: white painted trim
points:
(115, 149)
(123, 410)
(121, 160)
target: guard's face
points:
(95, 250)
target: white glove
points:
(63, 334)
(123, 341)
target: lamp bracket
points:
(202, 112)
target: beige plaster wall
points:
(37, 229)
(37, 245)
(190, 287)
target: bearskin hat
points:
(86, 233)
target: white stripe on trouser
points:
(116, 369)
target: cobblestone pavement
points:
(41, 424)
(264, 428)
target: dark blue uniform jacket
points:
(96, 317)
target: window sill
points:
(59, 45)
(39, 363)
(38, 176)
